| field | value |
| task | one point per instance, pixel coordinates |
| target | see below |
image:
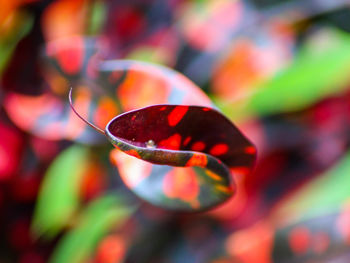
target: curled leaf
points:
(182, 136)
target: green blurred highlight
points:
(98, 16)
(320, 69)
(58, 198)
(149, 54)
(101, 216)
(322, 195)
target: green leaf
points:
(320, 69)
(326, 193)
(101, 216)
(58, 198)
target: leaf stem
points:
(86, 121)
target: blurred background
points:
(278, 69)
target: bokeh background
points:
(280, 70)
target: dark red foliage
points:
(183, 136)
(182, 130)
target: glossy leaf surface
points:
(183, 136)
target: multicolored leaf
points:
(181, 136)
(184, 136)
(159, 133)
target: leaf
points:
(178, 189)
(97, 219)
(319, 70)
(322, 195)
(58, 198)
(182, 136)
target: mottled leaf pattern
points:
(169, 135)
(180, 136)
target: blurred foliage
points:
(98, 13)
(321, 196)
(320, 69)
(96, 220)
(278, 68)
(58, 200)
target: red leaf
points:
(166, 135)
(221, 140)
